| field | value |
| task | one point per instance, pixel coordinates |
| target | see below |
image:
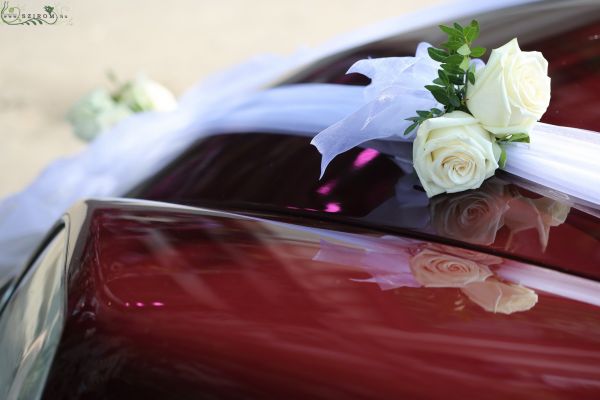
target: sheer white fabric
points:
(397, 89)
(232, 102)
(129, 153)
(564, 159)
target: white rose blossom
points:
(143, 94)
(453, 153)
(95, 113)
(511, 92)
(100, 110)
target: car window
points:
(267, 172)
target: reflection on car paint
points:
(476, 216)
(167, 302)
(383, 194)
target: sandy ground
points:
(45, 69)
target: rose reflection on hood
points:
(403, 262)
(435, 267)
(477, 216)
(473, 216)
(499, 297)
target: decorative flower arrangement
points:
(458, 148)
(101, 109)
(476, 108)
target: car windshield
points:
(274, 173)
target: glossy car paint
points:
(180, 303)
(311, 294)
(32, 322)
(280, 173)
(502, 215)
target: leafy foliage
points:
(512, 138)
(515, 137)
(450, 87)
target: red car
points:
(235, 273)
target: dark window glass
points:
(279, 173)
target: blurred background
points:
(45, 69)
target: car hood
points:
(184, 302)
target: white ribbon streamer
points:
(397, 89)
(564, 159)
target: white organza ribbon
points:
(566, 160)
(396, 90)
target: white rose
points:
(453, 153)
(143, 94)
(94, 113)
(498, 297)
(511, 92)
(434, 269)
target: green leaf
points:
(516, 137)
(502, 160)
(424, 114)
(464, 65)
(458, 27)
(471, 77)
(456, 79)
(438, 81)
(443, 76)
(411, 128)
(449, 31)
(454, 100)
(470, 34)
(433, 88)
(454, 59)
(453, 69)
(439, 94)
(437, 54)
(464, 50)
(475, 26)
(453, 44)
(436, 111)
(478, 51)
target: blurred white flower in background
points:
(99, 110)
(94, 113)
(143, 94)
